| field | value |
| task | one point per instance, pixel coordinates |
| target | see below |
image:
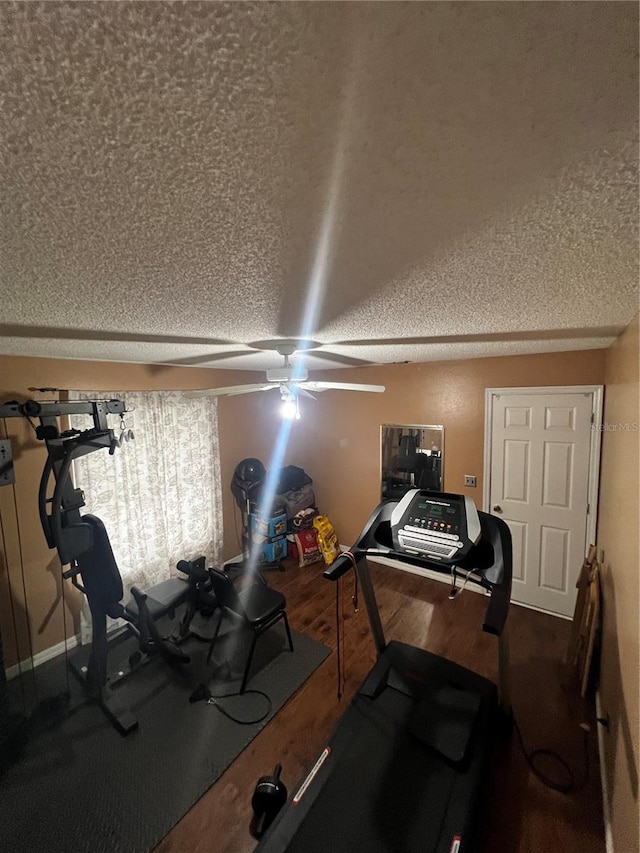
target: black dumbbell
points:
(268, 798)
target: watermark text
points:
(621, 426)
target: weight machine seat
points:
(103, 583)
(162, 598)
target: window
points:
(159, 495)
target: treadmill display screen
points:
(441, 527)
(435, 515)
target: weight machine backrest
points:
(97, 566)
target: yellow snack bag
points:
(327, 538)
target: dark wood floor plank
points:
(523, 815)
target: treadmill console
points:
(435, 526)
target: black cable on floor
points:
(203, 692)
(570, 785)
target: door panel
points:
(519, 547)
(516, 470)
(557, 474)
(554, 551)
(539, 478)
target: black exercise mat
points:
(81, 786)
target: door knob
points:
(497, 508)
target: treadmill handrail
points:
(341, 565)
(495, 540)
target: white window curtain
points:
(159, 495)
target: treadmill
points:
(406, 768)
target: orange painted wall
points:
(618, 537)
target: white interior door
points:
(542, 450)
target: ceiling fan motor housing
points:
(286, 374)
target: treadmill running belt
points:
(445, 720)
(395, 806)
(403, 770)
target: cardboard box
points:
(273, 550)
(269, 527)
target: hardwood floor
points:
(523, 815)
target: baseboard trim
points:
(41, 657)
(541, 610)
(606, 814)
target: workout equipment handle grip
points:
(339, 567)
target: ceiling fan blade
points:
(249, 389)
(488, 337)
(303, 393)
(10, 330)
(341, 386)
(229, 391)
(204, 359)
(340, 359)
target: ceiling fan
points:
(291, 380)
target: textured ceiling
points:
(397, 181)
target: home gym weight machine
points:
(82, 544)
(406, 768)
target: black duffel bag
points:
(291, 479)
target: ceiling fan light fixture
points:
(289, 409)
